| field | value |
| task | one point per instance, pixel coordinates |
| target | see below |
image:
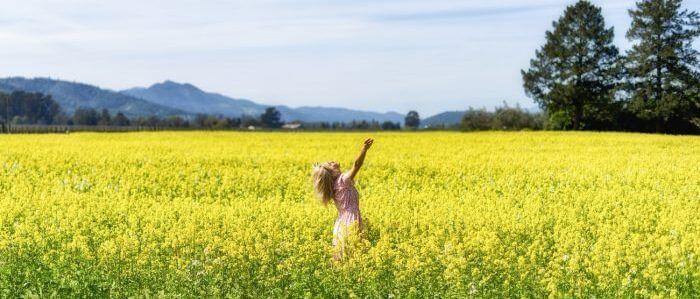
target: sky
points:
(428, 56)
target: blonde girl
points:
(331, 184)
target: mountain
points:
(189, 98)
(71, 95)
(447, 118)
(172, 98)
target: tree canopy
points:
(575, 72)
(662, 66)
(271, 118)
(28, 108)
(412, 119)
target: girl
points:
(331, 183)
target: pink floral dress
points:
(347, 202)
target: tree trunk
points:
(578, 114)
(659, 125)
(659, 90)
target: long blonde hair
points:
(322, 176)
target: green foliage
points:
(28, 108)
(271, 118)
(105, 118)
(120, 120)
(662, 66)
(576, 70)
(387, 125)
(515, 118)
(213, 123)
(477, 120)
(174, 121)
(503, 118)
(85, 116)
(558, 120)
(412, 119)
(353, 125)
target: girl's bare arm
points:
(361, 158)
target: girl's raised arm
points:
(361, 158)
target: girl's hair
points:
(323, 182)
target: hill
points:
(192, 99)
(71, 95)
(189, 98)
(447, 118)
(172, 98)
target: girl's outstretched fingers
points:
(368, 143)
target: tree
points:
(62, 119)
(173, 121)
(248, 120)
(575, 72)
(662, 66)
(85, 116)
(271, 118)
(200, 120)
(477, 120)
(105, 118)
(361, 125)
(387, 125)
(153, 121)
(28, 108)
(5, 106)
(233, 122)
(412, 119)
(120, 120)
(514, 118)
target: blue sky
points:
(430, 56)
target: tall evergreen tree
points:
(575, 72)
(662, 67)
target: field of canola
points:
(449, 215)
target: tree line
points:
(582, 81)
(353, 125)
(25, 108)
(28, 108)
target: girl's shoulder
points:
(344, 180)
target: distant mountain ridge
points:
(190, 98)
(447, 118)
(172, 98)
(72, 95)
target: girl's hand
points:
(361, 158)
(367, 144)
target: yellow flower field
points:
(448, 214)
